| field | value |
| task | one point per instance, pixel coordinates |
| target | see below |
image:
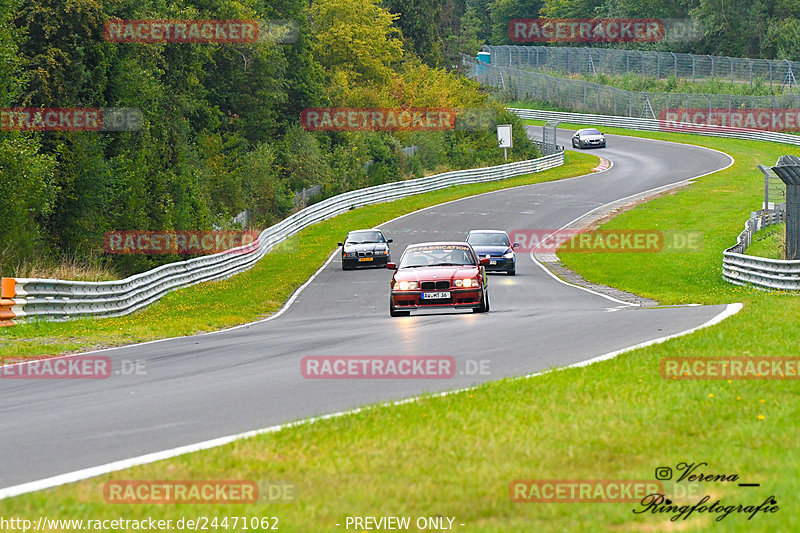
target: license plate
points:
(435, 295)
(492, 262)
(365, 258)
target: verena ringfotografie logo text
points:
(729, 368)
(70, 119)
(378, 367)
(180, 242)
(70, 367)
(582, 490)
(729, 120)
(602, 30)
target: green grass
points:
(248, 296)
(769, 242)
(618, 419)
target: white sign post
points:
(504, 140)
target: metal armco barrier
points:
(24, 299)
(760, 272)
(645, 124)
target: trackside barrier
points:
(648, 124)
(761, 272)
(23, 299)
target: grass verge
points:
(253, 294)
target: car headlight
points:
(469, 282)
(406, 285)
(382, 252)
(509, 254)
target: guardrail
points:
(24, 299)
(648, 124)
(761, 272)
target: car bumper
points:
(459, 298)
(598, 144)
(377, 260)
(501, 264)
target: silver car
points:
(588, 137)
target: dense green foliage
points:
(221, 130)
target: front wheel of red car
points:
(394, 312)
(484, 307)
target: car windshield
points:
(590, 132)
(437, 255)
(488, 239)
(361, 237)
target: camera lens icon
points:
(663, 473)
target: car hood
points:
(585, 137)
(491, 250)
(366, 247)
(442, 273)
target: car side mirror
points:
(340, 244)
(484, 260)
(391, 266)
(390, 240)
(515, 245)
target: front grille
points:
(435, 285)
(364, 254)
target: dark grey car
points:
(365, 248)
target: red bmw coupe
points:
(439, 274)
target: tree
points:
(356, 37)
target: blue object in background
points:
(483, 57)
